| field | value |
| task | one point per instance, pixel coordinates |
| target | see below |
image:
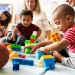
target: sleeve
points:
(45, 21)
(70, 36)
(18, 26)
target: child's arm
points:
(15, 30)
(38, 33)
(41, 44)
(56, 46)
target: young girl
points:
(5, 19)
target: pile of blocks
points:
(47, 61)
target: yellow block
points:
(8, 46)
(9, 50)
(56, 37)
(13, 54)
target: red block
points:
(32, 40)
(22, 56)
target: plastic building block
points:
(17, 60)
(33, 37)
(15, 46)
(39, 53)
(22, 56)
(55, 37)
(48, 62)
(37, 41)
(13, 54)
(27, 50)
(27, 62)
(32, 40)
(15, 66)
(27, 42)
(9, 50)
(8, 46)
(16, 49)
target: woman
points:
(5, 19)
(39, 18)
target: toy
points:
(27, 62)
(47, 62)
(9, 50)
(16, 47)
(22, 56)
(4, 55)
(27, 50)
(55, 37)
(17, 60)
(39, 53)
(13, 54)
(15, 66)
(23, 61)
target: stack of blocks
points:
(45, 60)
(55, 37)
(16, 47)
(27, 42)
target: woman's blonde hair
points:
(37, 8)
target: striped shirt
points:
(69, 35)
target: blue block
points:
(17, 60)
(15, 66)
(38, 54)
(27, 62)
(16, 49)
(48, 63)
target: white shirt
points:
(41, 21)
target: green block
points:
(27, 42)
(32, 37)
(27, 50)
(15, 46)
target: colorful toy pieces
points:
(4, 55)
(47, 61)
(55, 37)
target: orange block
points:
(55, 37)
(8, 46)
(9, 50)
(13, 54)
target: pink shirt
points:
(69, 35)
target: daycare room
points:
(37, 37)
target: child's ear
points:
(69, 18)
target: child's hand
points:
(43, 49)
(12, 38)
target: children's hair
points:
(37, 8)
(64, 10)
(8, 20)
(26, 12)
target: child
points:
(24, 29)
(63, 17)
(5, 19)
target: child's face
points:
(62, 24)
(26, 20)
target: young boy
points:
(24, 29)
(63, 17)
